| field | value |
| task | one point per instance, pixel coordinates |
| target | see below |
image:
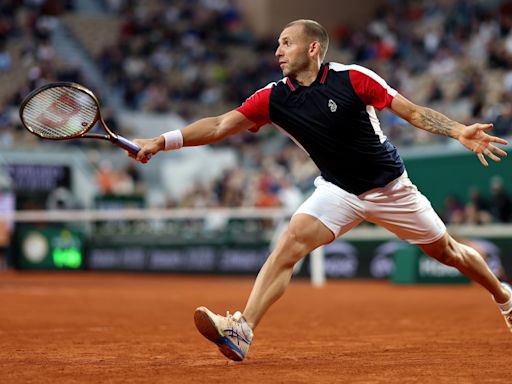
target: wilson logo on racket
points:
(59, 112)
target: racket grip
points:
(128, 145)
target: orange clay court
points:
(138, 328)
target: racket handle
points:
(128, 145)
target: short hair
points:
(315, 31)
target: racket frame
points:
(110, 136)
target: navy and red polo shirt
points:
(334, 121)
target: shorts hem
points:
(425, 242)
(322, 219)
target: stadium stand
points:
(195, 58)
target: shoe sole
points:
(207, 328)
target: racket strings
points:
(60, 112)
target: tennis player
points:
(328, 109)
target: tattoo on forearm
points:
(436, 123)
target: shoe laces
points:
(237, 320)
(237, 316)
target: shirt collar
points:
(321, 77)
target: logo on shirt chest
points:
(332, 105)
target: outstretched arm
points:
(204, 131)
(473, 137)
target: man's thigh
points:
(406, 212)
(337, 209)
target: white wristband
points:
(173, 140)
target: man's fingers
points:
(482, 159)
(143, 160)
(141, 156)
(491, 155)
(497, 150)
(498, 140)
(484, 127)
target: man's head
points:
(301, 43)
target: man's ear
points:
(314, 48)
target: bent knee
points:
(304, 234)
(293, 247)
(295, 242)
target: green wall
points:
(438, 175)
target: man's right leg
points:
(233, 333)
(304, 234)
(327, 213)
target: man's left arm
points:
(473, 137)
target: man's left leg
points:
(469, 262)
(403, 210)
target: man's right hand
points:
(148, 147)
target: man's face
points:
(292, 51)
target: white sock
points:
(505, 307)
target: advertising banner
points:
(343, 260)
(48, 247)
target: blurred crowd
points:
(25, 31)
(198, 57)
(454, 57)
(183, 56)
(258, 181)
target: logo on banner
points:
(341, 259)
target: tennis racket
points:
(63, 111)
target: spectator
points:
(453, 210)
(503, 122)
(105, 178)
(500, 204)
(289, 195)
(5, 58)
(7, 207)
(477, 208)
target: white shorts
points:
(398, 207)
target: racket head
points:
(60, 111)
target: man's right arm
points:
(201, 132)
(213, 129)
(252, 114)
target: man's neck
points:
(308, 76)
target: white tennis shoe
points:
(231, 333)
